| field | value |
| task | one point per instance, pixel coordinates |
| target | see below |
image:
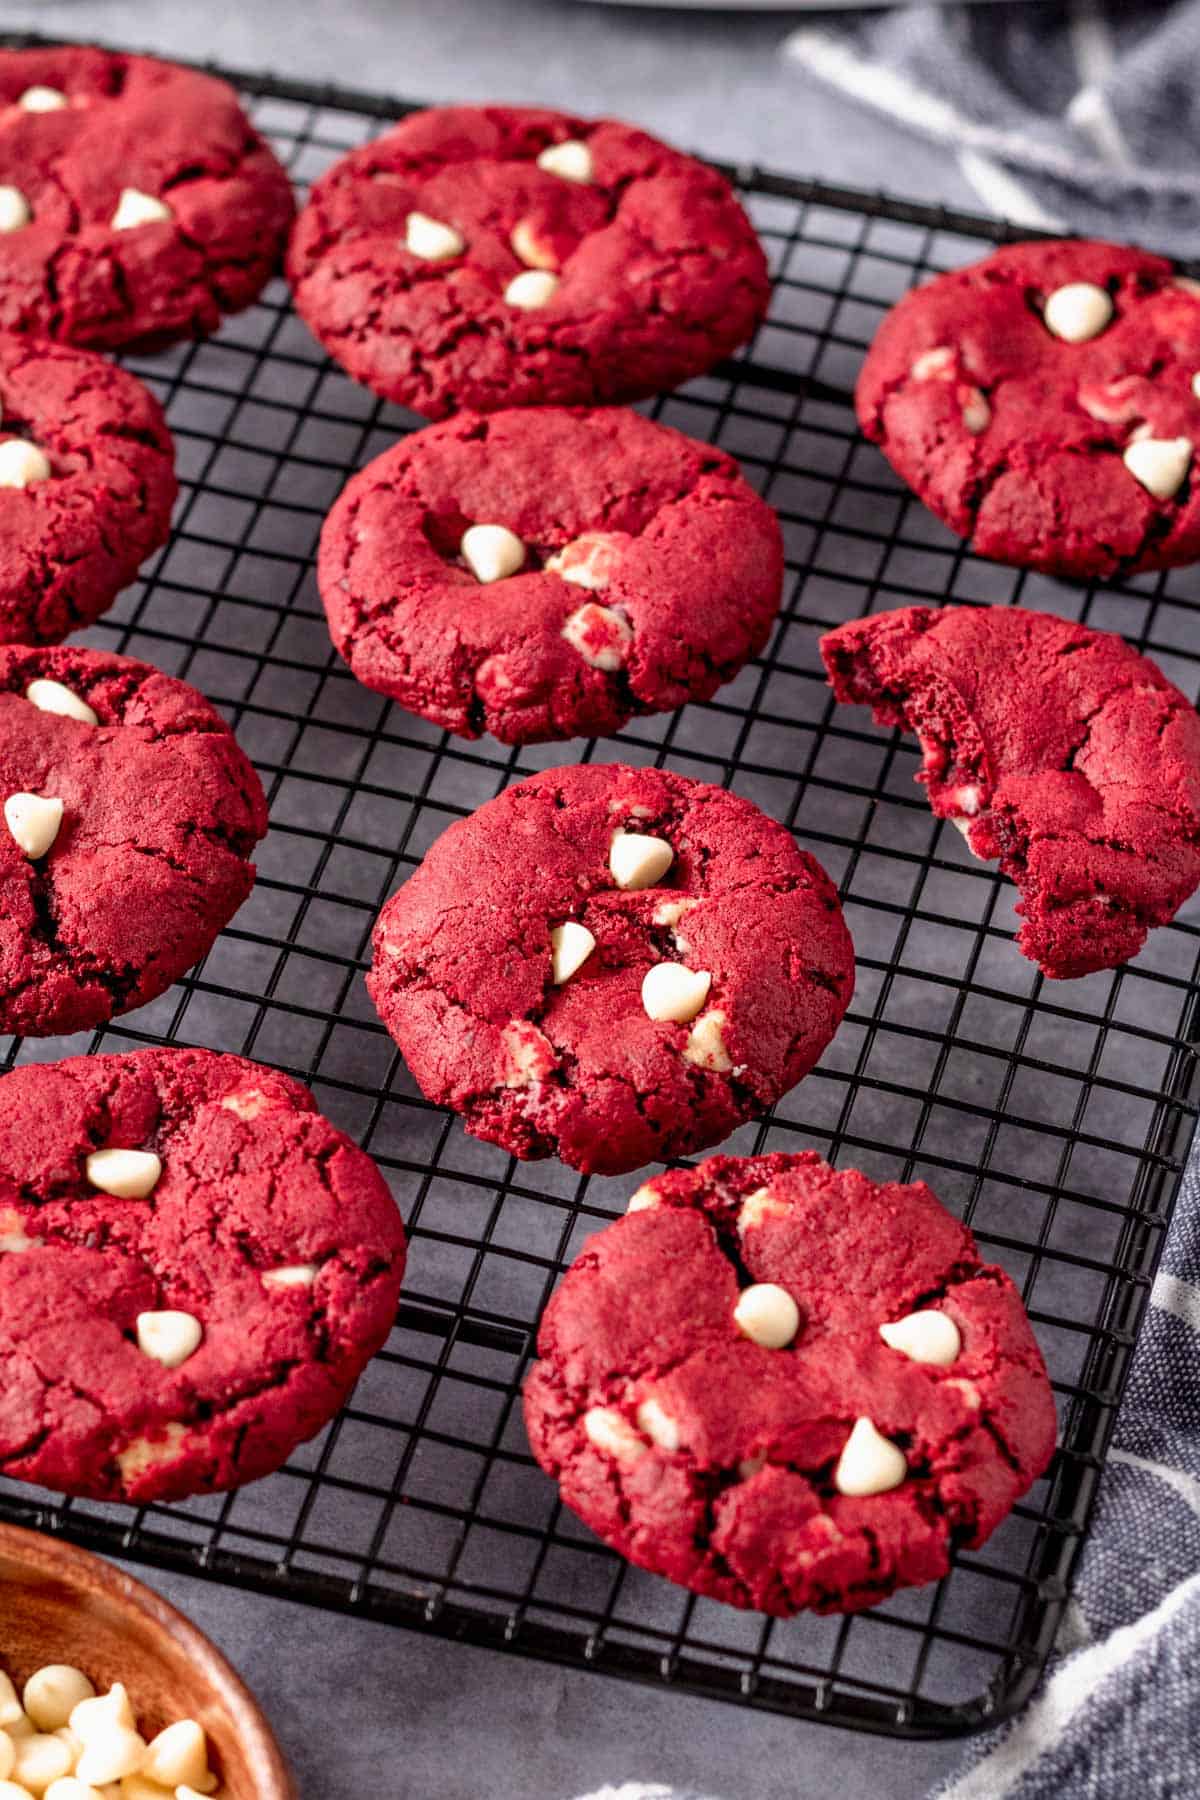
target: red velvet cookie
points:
(1042, 403)
(611, 965)
(127, 818)
(137, 203)
(87, 482)
(1055, 748)
(195, 1267)
(545, 573)
(488, 256)
(787, 1387)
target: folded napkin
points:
(1084, 117)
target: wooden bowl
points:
(60, 1604)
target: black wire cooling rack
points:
(1054, 1117)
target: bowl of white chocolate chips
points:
(109, 1693)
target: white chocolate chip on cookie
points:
(926, 1336)
(706, 1043)
(246, 1104)
(290, 1275)
(571, 160)
(430, 239)
(658, 1425)
(135, 208)
(869, 1463)
(22, 464)
(529, 248)
(14, 209)
(976, 412)
(588, 561)
(526, 1054)
(934, 365)
(671, 992)
(600, 635)
(126, 1174)
(53, 697)
(531, 289)
(491, 552)
(636, 861)
(767, 1315)
(644, 1199)
(570, 946)
(756, 1207)
(33, 821)
(609, 1431)
(168, 1337)
(1159, 464)
(38, 99)
(1077, 312)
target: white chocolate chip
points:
(12, 1243)
(127, 1174)
(22, 464)
(869, 1463)
(109, 1756)
(706, 1043)
(53, 697)
(526, 1054)
(10, 1706)
(14, 209)
(40, 1759)
(491, 552)
(1159, 464)
(976, 412)
(42, 99)
(69, 1787)
(528, 248)
(246, 1104)
(8, 1757)
(141, 1454)
(756, 1207)
(571, 160)
(1112, 402)
(52, 1693)
(1196, 385)
(95, 1716)
(589, 561)
(600, 635)
(33, 822)
(169, 1337)
(21, 1727)
(972, 1398)
(673, 992)
(658, 1425)
(611, 1432)
(636, 861)
(1078, 311)
(531, 289)
(179, 1755)
(290, 1275)
(1186, 285)
(967, 800)
(570, 946)
(136, 1787)
(749, 1466)
(669, 912)
(135, 208)
(767, 1315)
(934, 365)
(927, 1336)
(644, 1199)
(430, 239)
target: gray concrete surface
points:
(363, 1709)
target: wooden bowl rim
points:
(43, 1554)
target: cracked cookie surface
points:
(1015, 436)
(666, 537)
(1058, 749)
(205, 229)
(72, 538)
(720, 1461)
(645, 269)
(160, 814)
(592, 1065)
(266, 1226)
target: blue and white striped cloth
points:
(1087, 118)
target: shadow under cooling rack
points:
(1053, 1117)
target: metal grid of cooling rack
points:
(1053, 1117)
